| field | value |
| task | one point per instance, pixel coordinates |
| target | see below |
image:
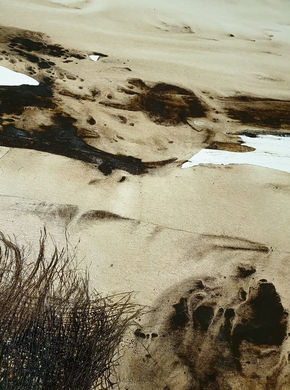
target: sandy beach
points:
(172, 78)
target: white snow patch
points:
(11, 78)
(94, 57)
(271, 152)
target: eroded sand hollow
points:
(214, 333)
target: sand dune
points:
(97, 155)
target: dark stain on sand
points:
(94, 215)
(14, 99)
(61, 138)
(212, 330)
(60, 132)
(259, 111)
(31, 49)
(163, 103)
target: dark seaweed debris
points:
(163, 103)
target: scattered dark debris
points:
(163, 103)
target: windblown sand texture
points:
(95, 152)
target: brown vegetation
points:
(54, 332)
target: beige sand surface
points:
(177, 225)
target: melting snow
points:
(271, 152)
(94, 57)
(11, 78)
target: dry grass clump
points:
(55, 333)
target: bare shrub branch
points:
(55, 333)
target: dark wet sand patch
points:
(61, 138)
(259, 111)
(39, 44)
(14, 99)
(245, 270)
(163, 103)
(93, 215)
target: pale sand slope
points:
(180, 223)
